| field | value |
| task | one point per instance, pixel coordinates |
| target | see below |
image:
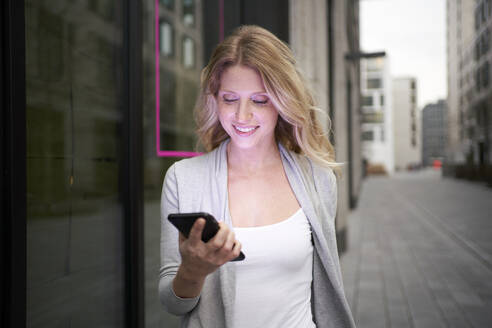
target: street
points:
(420, 253)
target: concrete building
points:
(377, 120)
(406, 123)
(478, 114)
(320, 46)
(97, 100)
(469, 83)
(460, 33)
(434, 132)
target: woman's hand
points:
(199, 259)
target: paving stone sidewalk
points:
(420, 253)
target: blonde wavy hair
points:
(297, 128)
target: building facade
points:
(469, 25)
(97, 103)
(434, 132)
(377, 115)
(460, 33)
(320, 45)
(406, 123)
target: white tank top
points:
(273, 283)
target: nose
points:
(243, 111)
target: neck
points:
(252, 160)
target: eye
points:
(229, 98)
(260, 99)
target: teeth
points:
(244, 129)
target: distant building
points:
(469, 25)
(377, 121)
(434, 129)
(406, 125)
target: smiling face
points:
(245, 109)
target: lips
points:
(245, 131)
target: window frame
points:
(13, 165)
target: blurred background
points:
(97, 99)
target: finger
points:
(229, 243)
(182, 238)
(195, 235)
(226, 250)
(236, 250)
(220, 238)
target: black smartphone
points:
(184, 222)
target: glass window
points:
(477, 79)
(483, 12)
(375, 117)
(168, 125)
(50, 46)
(368, 135)
(74, 118)
(374, 83)
(168, 4)
(166, 39)
(375, 64)
(381, 100)
(167, 117)
(485, 74)
(486, 41)
(367, 101)
(477, 18)
(103, 8)
(188, 47)
(189, 12)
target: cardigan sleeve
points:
(170, 256)
(326, 186)
(330, 191)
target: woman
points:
(267, 178)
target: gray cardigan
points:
(199, 184)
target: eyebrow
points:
(253, 93)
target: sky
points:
(413, 34)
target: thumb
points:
(196, 231)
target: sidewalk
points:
(420, 253)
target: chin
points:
(243, 144)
